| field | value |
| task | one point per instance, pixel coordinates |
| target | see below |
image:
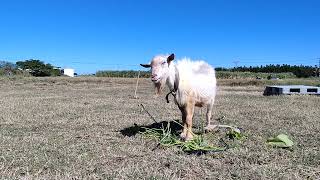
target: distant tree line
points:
(28, 67)
(280, 71)
(39, 68)
(127, 74)
(299, 71)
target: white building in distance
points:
(68, 72)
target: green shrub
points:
(38, 68)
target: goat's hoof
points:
(209, 128)
(156, 95)
(188, 138)
(183, 136)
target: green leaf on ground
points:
(281, 141)
(233, 134)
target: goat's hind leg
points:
(209, 127)
(190, 111)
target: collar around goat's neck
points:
(175, 84)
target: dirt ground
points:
(84, 128)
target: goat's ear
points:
(145, 65)
(170, 58)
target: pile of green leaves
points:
(168, 139)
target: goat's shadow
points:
(135, 129)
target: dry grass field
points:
(86, 128)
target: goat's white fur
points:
(196, 86)
(196, 79)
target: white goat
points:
(193, 83)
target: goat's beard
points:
(159, 86)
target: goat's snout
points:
(154, 77)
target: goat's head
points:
(159, 70)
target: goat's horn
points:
(145, 65)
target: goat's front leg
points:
(183, 135)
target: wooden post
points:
(135, 92)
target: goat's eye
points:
(163, 63)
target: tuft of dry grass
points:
(88, 128)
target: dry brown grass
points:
(83, 128)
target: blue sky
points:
(119, 34)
